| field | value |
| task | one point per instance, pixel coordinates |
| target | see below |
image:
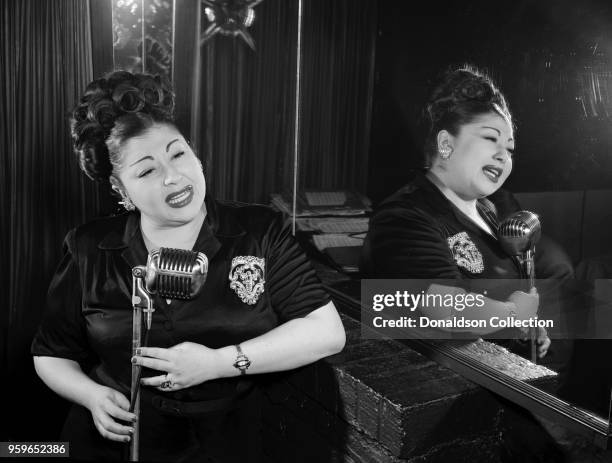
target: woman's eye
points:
(493, 139)
(178, 155)
(511, 151)
(145, 173)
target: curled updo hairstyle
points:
(463, 95)
(112, 110)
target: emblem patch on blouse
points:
(465, 252)
(247, 278)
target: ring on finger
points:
(167, 384)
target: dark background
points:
(551, 60)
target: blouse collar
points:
(220, 224)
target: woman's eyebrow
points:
(493, 128)
(142, 159)
(168, 145)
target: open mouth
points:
(493, 173)
(180, 198)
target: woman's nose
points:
(171, 176)
(502, 155)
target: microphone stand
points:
(526, 260)
(173, 273)
(143, 305)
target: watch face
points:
(242, 363)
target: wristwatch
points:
(242, 362)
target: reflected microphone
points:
(518, 235)
(176, 273)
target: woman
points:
(198, 400)
(440, 226)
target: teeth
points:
(493, 172)
(179, 198)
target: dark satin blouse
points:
(417, 233)
(89, 311)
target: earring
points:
(127, 203)
(445, 152)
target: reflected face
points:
(481, 159)
(162, 176)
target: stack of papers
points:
(336, 222)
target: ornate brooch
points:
(465, 253)
(247, 278)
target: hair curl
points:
(462, 95)
(112, 109)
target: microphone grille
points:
(521, 224)
(519, 232)
(178, 273)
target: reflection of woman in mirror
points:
(205, 356)
(440, 225)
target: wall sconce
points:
(229, 17)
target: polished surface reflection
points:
(554, 63)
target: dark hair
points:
(113, 109)
(462, 95)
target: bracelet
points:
(242, 362)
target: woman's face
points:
(481, 158)
(162, 176)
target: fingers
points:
(109, 434)
(112, 427)
(153, 380)
(155, 352)
(155, 358)
(111, 405)
(163, 383)
(109, 428)
(120, 413)
(153, 363)
(543, 345)
(120, 400)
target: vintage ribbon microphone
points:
(518, 235)
(169, 273)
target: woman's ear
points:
(444, 144)
(115, 184)
(444, 140)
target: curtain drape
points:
(45, 64)
(243, 118)
(338, 45)
(243, 114)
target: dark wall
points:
(551, 58)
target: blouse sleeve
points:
(62, 332)
(407, 243)
(294, 287)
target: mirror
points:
(553, 61)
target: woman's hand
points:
(542, 341)
(106, 406)
(183, 365)
(527, 307)
(526, 303)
